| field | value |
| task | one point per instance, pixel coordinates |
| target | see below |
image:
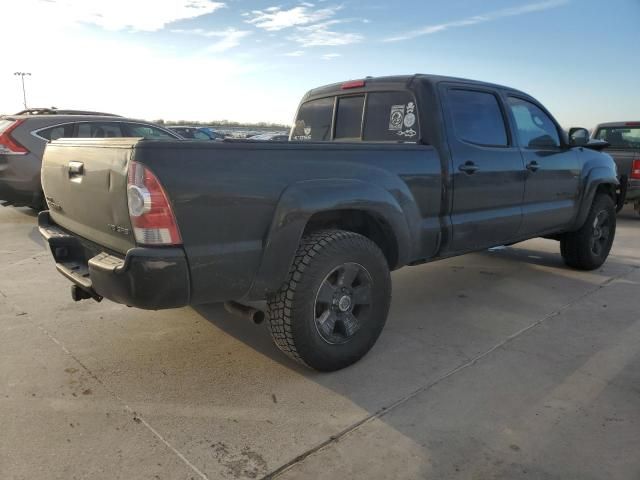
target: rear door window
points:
(391, 117)
(314, 120)
(98, 130)
(349, 118)
(477, 117)
(59, 131)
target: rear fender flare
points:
(300, 202)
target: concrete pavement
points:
(500, 364)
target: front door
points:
(487, 170)
(553, 170)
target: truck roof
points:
(619, 124)
(404, 79)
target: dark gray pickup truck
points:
(624, 146)
(379, 173)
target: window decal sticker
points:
(396, 117)
(408, 133)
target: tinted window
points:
(349, 117)
(621, 137)
(477, 117)
(314, 120)
(98, 130)
(59, 131)
(145, 131)
(391, 117)
(535, 128)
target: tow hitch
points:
(78, 293)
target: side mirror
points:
(578, 137)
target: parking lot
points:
(503, 364)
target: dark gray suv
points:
(24, 135)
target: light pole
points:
(24, 92)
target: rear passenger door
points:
(487, 169)
(553, 169)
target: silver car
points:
(23, 137)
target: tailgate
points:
(85, 185)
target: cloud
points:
(297, 53)
(138, 15)
(274, 19)
(321, 35)
(330, 56)
(229, 38)
(477, 19)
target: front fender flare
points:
(300, 202)
(596, 177)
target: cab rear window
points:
(621, 137)
(389, 116)
(314, 120)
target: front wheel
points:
(589, 247)
(334, 304)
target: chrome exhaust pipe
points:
(244, 311)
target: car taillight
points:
(8, 144)
(635, 169)
(149, 208)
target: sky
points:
(252, 60)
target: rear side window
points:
(349, 118)
(98, 130)
(477, 117)
(59, 131)
(391, 117)
(535, 128)
(314, 120)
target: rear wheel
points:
(334, 304)
(589, 247)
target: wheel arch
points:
(600, 180)
(348, 204)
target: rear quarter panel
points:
(225, 196)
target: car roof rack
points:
(55, 111)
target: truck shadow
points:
(447, 316)
(442, 315)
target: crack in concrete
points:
(137, 417)
(386, 409)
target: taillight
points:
(149, 208)
(635, 169)
(8, 144)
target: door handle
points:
(76, 168)
(469, 168)
(533, 166)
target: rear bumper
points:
(633, 190)
(148, 278)
(18, 197)
(19, 182)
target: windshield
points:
(621, 137)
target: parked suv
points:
(23, 137)
(624, 146)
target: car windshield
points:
(620, 137)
